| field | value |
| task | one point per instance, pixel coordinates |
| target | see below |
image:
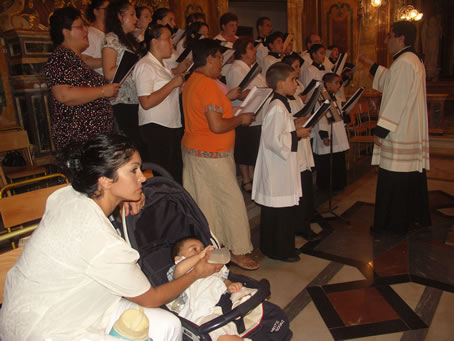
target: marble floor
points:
(351, 285)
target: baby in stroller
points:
(169, 215)
(205, 299)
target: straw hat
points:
(132, 325)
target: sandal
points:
(244, 262)
(243, 186)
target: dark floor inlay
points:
(371, 329)
(326, 309)
(301, 300)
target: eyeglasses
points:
(104, 8)
(81, 27)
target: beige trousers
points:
(212, 184)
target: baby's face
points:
(191, 247)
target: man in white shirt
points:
(402, 136)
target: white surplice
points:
(340, 139)
(403, 111)
(277, 180)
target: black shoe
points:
(290, 259)
(309, 235)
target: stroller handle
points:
(263, 292)
(154, 167)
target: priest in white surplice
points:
(402, 137)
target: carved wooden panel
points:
(339, 25)
(34, 15)
(210, 8)
(7, 112)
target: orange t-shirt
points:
(200, 95)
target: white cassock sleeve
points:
(397, 82)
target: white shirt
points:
(150, 76)
(237, 73)
(95, 41)
(277, 180)
(226, 67)
(262, 52)
(70, 276)
(179, 48)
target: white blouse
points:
(96, 41)
(150, 76)
(237, 72)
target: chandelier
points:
(377, 3)
(408, 13)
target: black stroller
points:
(170, 214)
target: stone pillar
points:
(295, 22)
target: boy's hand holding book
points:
(303, 132)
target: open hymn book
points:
(253, 101)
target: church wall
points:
(248, 12)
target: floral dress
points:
(75, 123)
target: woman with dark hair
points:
(76, 274)
(121, 25)
(166, 17)
(247, 138)
(158, 89)
(195, 17)
(193, 32)
(96, 16)
(229, 26)
(79, 95)
(144, 18)
(209, 172)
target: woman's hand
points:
(205, 251)
(244, 94)
(247, 118)
(234, 94)
(134, 207)
(178, 80)
(203, 269)
(182, 67)
(326, 141)
(110, 90)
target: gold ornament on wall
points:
(34, 14)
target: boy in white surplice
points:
(277, 176)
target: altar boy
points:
(277, 179)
